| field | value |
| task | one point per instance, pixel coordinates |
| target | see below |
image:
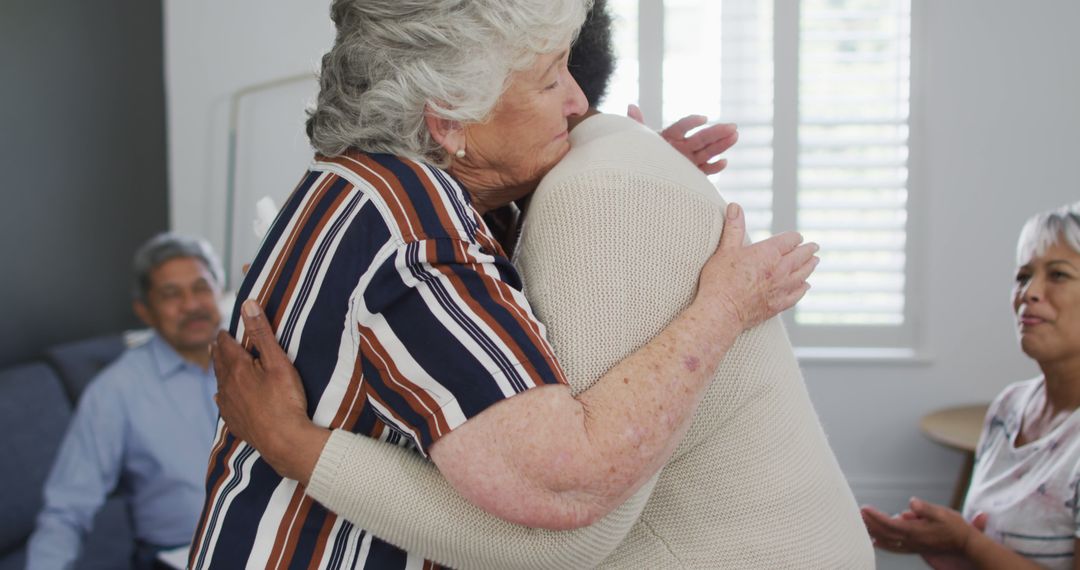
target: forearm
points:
(55, 542)
(294, 450)
(546, 458)
(406, 502)
(988, 554)
(665, 380)
(86, 470)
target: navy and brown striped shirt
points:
(405, 319)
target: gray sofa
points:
(36, 403)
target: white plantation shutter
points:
(854, 87)
(718, 61)
(821, 91)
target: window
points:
(820, 90)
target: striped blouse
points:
(404, 318)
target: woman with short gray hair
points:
(405, 320)
(1021, 507)
(448, 58)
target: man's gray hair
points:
(1057, 226)
(166, 246)
(393, 58)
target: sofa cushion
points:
(78, 362)
(34, 412)
(14, 560)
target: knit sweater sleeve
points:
(400, 497)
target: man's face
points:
(182, 304)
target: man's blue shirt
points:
(144, 426)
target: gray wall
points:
(82, 152)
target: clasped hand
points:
(939, 534)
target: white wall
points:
(997, 138)
(212, 50)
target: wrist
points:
(296, 450)
(720, 311)
(973, 543)
(714, 325)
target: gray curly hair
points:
(1058, 226)
(393, 58)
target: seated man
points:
(144, 426)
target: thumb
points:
(919, 506)
(634, 112)
(979, 522)
(927, 510)
(734, 227)
(257, 329)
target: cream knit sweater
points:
(610, 253)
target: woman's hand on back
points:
(703, 146)
(751, 283)
(262, 399)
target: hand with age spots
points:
(751, 283)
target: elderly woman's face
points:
(1046, 299)
(527, 132)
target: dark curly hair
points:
(592, 59)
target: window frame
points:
(891, 342)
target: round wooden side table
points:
(957, 428)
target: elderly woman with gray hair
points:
(406, 321)
(1021, 509)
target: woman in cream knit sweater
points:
(616, 236)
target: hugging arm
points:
(395, 493)
(403, 498)
(584, 453)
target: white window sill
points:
(858, 355)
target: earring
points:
(460, 153)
